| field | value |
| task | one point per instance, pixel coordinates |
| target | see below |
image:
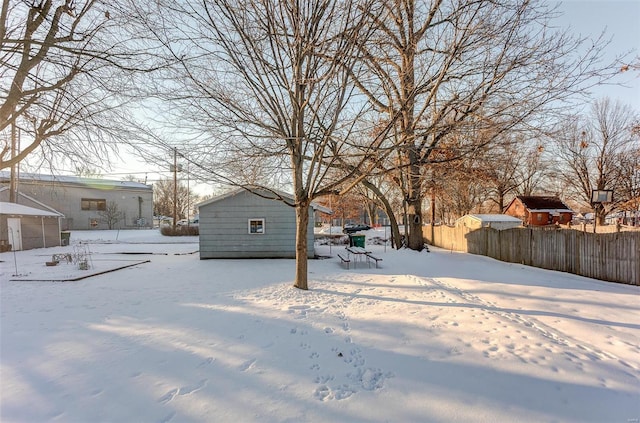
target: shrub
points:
(180, 231)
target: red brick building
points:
(539, 210)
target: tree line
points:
(414, 101)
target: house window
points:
(256, 226)
(539, 216)
(93, 204)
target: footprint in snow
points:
(247, 365)
(206, 362)
(186, 390)
(168, 396)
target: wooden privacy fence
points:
(611, 257)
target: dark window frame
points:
(256, 226)
(93, 204)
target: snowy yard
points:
(428, 337)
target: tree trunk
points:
(415, 240)
(395, 232)
(501, 202)
(302, 222)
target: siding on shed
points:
(224, 228)
(39, 227)
(39, 232)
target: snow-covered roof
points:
(494, 218)
(542, 203)
(273, 194)
(552, 211)
(13, 209)
(75, 180)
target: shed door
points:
(15, 233)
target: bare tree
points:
(599, 151)
(64, 67)
(628, 193)
(466, 66)
(163, 199)
(511, 166)
(111, 215)
(268, 83)
(534, 170)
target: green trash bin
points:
(65, 237)
(357, 240)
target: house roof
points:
(13, 209)
(270, 194)
(75, 180)
(494, 218)
(544, 203)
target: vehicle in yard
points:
(350, 228)
(191, 222)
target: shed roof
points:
(270, 194)
(13, 209)
(75, 180)
(543, 203)
(494, 218)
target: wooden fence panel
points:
(570, 256)
(612, 257)
(476, 242)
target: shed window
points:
(256, 226)
(93, 204)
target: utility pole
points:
(175, 187)
(12, 180)
(188, 195)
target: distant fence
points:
(611, 257)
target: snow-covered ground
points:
(428, 337)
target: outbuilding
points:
(246, 224)
(539, 210)
(89, 203)
(24, 228)
(495, 221)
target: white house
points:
(495, 221)
(241, 224)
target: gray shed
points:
(241, 224)
(495, 221)
(24, 228)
